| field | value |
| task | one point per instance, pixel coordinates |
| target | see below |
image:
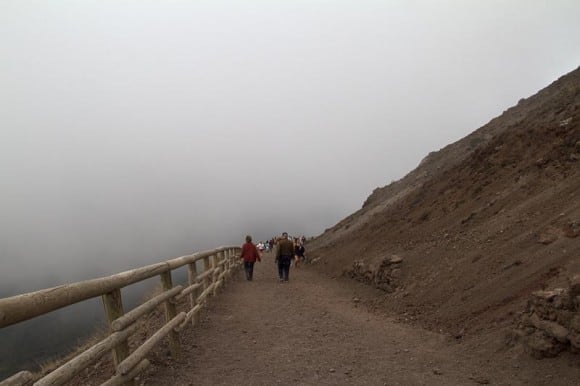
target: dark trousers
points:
(249, 268)
(284, 267)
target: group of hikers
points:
(287, 251)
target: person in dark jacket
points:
(284, 255)
(298, 253)
(250, 254)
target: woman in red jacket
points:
(250, 254)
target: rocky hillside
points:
(478, 226)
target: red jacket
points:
(250, 252)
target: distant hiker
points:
(284, 255)
(298, 253)
(250, 254)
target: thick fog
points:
(136, 131)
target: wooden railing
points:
(218, 265)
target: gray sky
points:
(132, 131)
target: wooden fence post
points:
(170, 313)
(235, 261)
(113, 303)
(227, 264)
(192, 275)
(214, 275)
(206, 267)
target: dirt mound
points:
(480, 224)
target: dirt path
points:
(311, 331)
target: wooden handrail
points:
(218, 265)
(27, 306)
(81, 361)
(131, 316)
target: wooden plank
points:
(139, 354)
(145, 308)
(68, 370)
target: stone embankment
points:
(551, 322)
(383, 272)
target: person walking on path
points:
(284, 255)
(298, 253)
(250, 254)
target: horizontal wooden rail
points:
(139, 354)
(136, 313)
(218, 265)
(194, 311)
(67, 371)
(19, 379)
(124, 379)
(27, 306)
(207, 273)
(188, 290)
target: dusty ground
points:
(316, 330)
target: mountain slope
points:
(479, 224)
